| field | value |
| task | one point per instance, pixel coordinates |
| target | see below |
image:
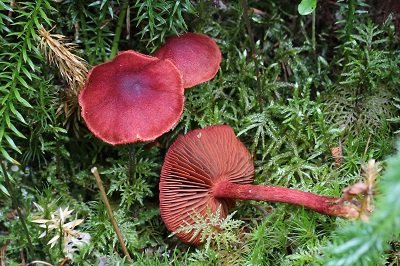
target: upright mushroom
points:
(132, 98)
(210, 167)
(197, 57)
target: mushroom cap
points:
(132, 98)
(193, 164)
(196, 55)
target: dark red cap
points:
(132, 98)
(196, 55)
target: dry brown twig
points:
(59, 52)
(104, 198)
(3, 253)
(364, 188)
(73, 70)
(370, 172)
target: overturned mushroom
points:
(132, 98)
(197, 57)
(210, 167)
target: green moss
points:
(289, 99)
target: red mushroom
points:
(210, 167)
(132, 98)
(196, 55)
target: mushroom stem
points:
(322, 204)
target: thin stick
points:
(110, 212)
(132, 161)
(118, 30)
(15, 202)
(313, 42)
(3, 253)
(350, 17)
(367, 146)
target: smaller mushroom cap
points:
(196, 55)
(132, 98)
(193, 164)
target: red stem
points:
(322, 204)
